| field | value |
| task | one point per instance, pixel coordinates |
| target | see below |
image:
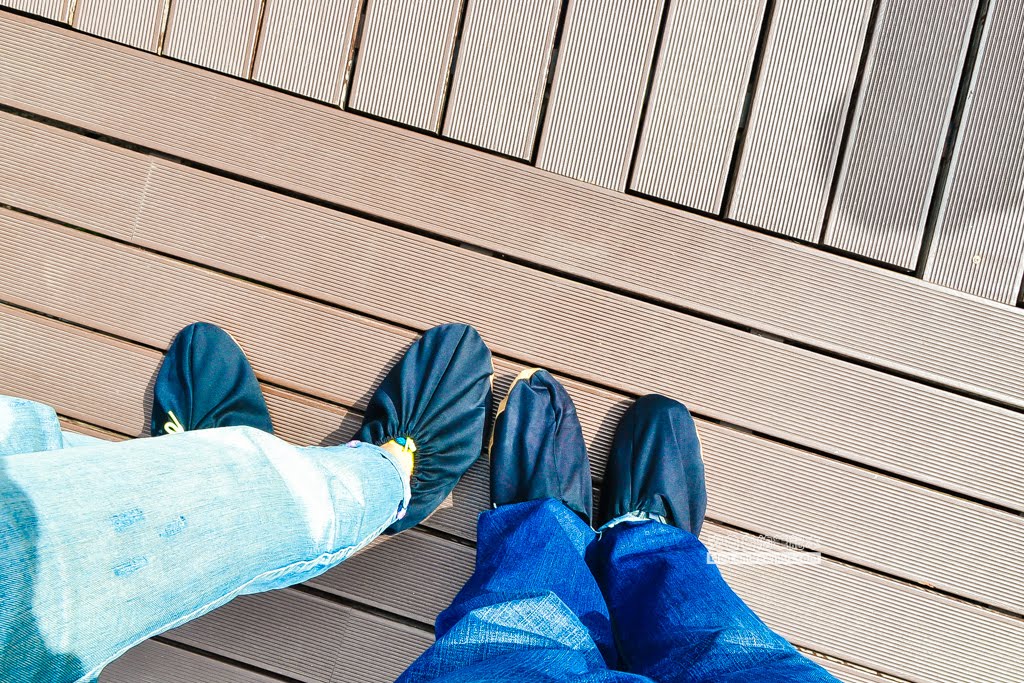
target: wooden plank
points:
(153, 662)
(875, 418)
(681, 259)
(305, 47)
(697, 96)
(978, 245)
(138, 23)
(68, 424)
(899, 630)
(402, 68)
(755, 484)
(899, 129)
(217, 35)
(499, 80)
(57, 10)
(865, 613)
(305, 638)
(758, 383)
(798, 114)
(848, 673)
(598, 89)
(380, 574)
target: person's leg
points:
(675, 619)
(28, 427)
(103, 545)
(106, 545)
(531, 611)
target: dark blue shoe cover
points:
(205, 381)
(439, 394)
(537, 449)
(655, 465)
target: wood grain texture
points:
(51, 9)
(498, 84)
(761, 384)
(216, 34)
(870, 417)
(683, 260)
(899, 129)
(138, 23)
(978, 246)
(798, 114)
(871, 620)
(401, 72)
(766, 487)
(305, 47)
(153, 662)
(697, 95)
(597, 93)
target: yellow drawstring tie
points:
(173, 426)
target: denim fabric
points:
(677, 621)
(104, 545)
(548, 592)
(532, 610)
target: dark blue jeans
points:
(552, 601)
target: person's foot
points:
(655, 469)
(430, 411)
(537, 449)
(205, 381)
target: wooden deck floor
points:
(872, 413)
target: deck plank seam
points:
(597, 482)
(257, 36)
(648, 88)
(569, 375)
(550, 270)
(549, 78)
(753, 83)
(453, 61)
(852, 109)
(200, 652)
(940, 189)
(730, 181)
(353, 57)
(165, 18)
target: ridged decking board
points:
(825, 503)
(697, 95)
(499, 80)
(798, 115)
(899, 129)
(305, 47)
(251, 629)
(604, 61)
(153, 662)
(978, 245)
(401, 71)
(676, 258)
(761, 384)
(218, 35)
(305, 637)
(51, 9)
(810, 444)
(138, 23)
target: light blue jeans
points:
(103, 545)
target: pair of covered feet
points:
(654, 468)
(430, 412)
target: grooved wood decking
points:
(876, 416)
